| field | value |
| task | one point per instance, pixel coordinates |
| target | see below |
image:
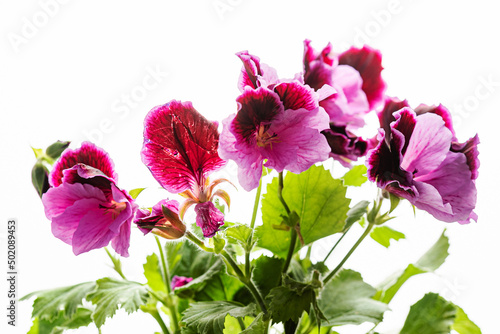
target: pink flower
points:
(418, 159)
(163, 220)
(345, 146)
(178, 281)
(354, 74)
(180, 150)
(208, 218)
(85, 206)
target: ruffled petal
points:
(254, 74)
(208, 218)
(295, 95)
(345, 147)
(180, 146)
(385, 116)
(469, 148)
(438, 110)
(87, 154)
(368, 62)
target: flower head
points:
(85, 206)
(354, 74)
(178, 281)
(278, 122)
(417, 159)
(180, 150)
(163, 220)
(345, 146)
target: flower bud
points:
(40, 178)
(55, 150)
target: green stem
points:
(116, 264)
(158, 318)
(252, 225)
(334, 271)
(242, 324)
(280, 193)
(198, 242)
(334, 246)
(245, 280)
(293, 241)
(167, 280)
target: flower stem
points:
(158, 318)
(280, 193)
(198, 242)
(293, 241)
(334, 271)
(167, 280)
(335, 246)
(252, 225)
(245, 280)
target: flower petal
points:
(368, 62)
(208, 218)
(180, 146)
(469, 148)
(87, 154)
(254, 74)
(438, 110)
(295, 95)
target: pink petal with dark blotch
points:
(295, 96)
(87, 154)
(385, 116)
(180, 146)
(429, 143)
(438, 110)
(368, 62)
(254, 74)
(208, 218)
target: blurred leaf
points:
(429, 262)
(384, 234)
(153, 274)
(219, 287)
(287, 303)
(208, 317)
(355, 213)
(112, 294)
(258, 326)
(356, 176)
(199, 282)
(49, 303)
(241, 234)
(55, 150)
(219, 243)
(462, 324)
(347, 299)
(81, 318)
(432, 314)
(135, 192)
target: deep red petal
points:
(180, 146)
(87, 154)
(250, 71)
(296, 96)
(368, 62)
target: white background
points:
(66, 71)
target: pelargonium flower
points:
(180, 150)
(163, 220)
(85, 206)
(281, 125)
(345, 146)
(355, 75)
(418, 159)
(178, 281)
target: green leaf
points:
(462, 324)
(432, 314)
(219, 287)
(355, 213)
(153, 274)
(287, 303)
(135, 192)
(241, 234)
(384, 234)
(317, 198)
(55, 150)
(429, 262)
(394, 201)
(199, 283)
(356, 176)
(49, 303)
(111, 294)
(81, 318)
(267, 273)
(219, 206)
(347, 299)
(258, 326)
(219, 243)
(38, 152)
(208, 317)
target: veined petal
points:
(254, 74)
(180, 146)
(438, 110)
(87, 154)
(469, 148)
(208, 218)
(295, 96)
(385, 116)
(368, 62)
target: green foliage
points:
(356, 176)
(429, 262)
(432, 314)
(55, 150)
(384, 234)
(80, 318)
(208, 317)
(219, 287)
(49, 303)
(153, 274)
(347, 299)
(240, 234)
(112, 294)
(135, 192)
(198, 283)
(355, 213)
(218, 243)
(317, 198)
(258, 326)
(462, 324)
(267, 273)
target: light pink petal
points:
(469, 148)
(438, 110)
(429, 143)
(121, 241)
(254, 74)
(56, 200)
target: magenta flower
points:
(208, 218)
(180, 150)
(281, 125)
(85, 206)
(345, 146)
(163, 220)
(354, 74)
(178, 281)
(417, 159)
